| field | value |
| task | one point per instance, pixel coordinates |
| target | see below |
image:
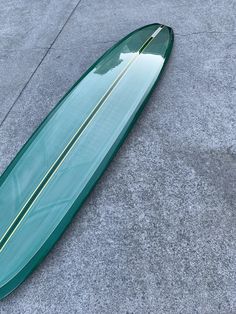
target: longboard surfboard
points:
(46, 183)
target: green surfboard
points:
(46, 183)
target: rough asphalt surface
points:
(157, 234)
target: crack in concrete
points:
(203, 32)
(56, 49)
(41, 61)
(23, 49)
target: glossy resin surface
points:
(53, 173)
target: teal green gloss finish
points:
(52, 139)
(53, 173)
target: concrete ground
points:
(157, 235)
